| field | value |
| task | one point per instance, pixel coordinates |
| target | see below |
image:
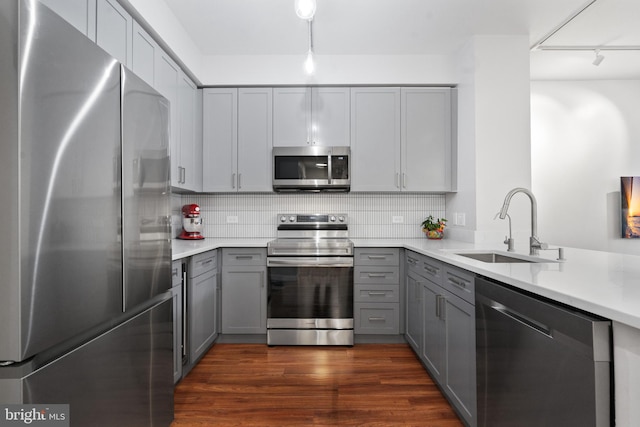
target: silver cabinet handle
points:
(244, 256)
(431, 270)
(456, 281)
(376, 257)
(239, 181)
(440, 309)
(233, 180)
(377, 319)
(377, 275)
(372, 293)
(397, 180)
(404, 180)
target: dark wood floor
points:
(257, 385)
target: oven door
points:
(310, 293)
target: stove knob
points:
(283, 218)
(292, 219)
(341, 218)
(332, 218)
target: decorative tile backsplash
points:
(371, 215)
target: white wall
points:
(585, 136)
(493, 138)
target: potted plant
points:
(434, 228)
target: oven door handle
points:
(302, 261)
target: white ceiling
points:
(351, 27)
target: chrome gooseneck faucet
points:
(534, 243)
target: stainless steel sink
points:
(496, 257)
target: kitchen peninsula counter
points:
(602, 283)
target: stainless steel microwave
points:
(313, 168)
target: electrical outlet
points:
(232, 219)
(397, 219)
(460, 219)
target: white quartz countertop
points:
(603, 283)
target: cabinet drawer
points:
(432, 269)
(413, 262)
(202, 263)
(376, 256)
(376, 293)
(376, 275)
(460, 283)
(244, 256)
(176, 273)
(381, 318)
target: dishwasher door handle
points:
(521, 318)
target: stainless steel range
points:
(310, 281)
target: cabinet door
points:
(79, 13)
(292, 117)
(461, 355)
(426, 139)
(244, 300)
(433, 346)
(114, 30)
(255, 124)
(375, 139)
(166, 82)
(145, 50)
(415, 323)
(220, 147)
(202, 313)
(189, 138)
(330, 116)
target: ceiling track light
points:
(599, 58)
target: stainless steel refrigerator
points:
(85, 249)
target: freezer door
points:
(70, 254)
(146, 187)
(121, 378)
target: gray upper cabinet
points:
(237, 135)
(145, 51)
(375, 139)
(79, 13)
(219, 136)
(311, 116)
(167, 77)
(401, 139)
(189, 110)
(114, 30)
(426, 143)
(186, 145)
(255, 133)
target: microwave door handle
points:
(329, 169)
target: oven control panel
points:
(313, 219)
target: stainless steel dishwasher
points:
(539, 363)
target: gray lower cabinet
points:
(377, 291)
(441, 328)
(176, 293)
(244, 291)
(202, 303)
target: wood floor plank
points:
(256, 385)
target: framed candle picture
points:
(630, 204)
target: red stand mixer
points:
(191, 223)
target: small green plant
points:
(431, 224)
